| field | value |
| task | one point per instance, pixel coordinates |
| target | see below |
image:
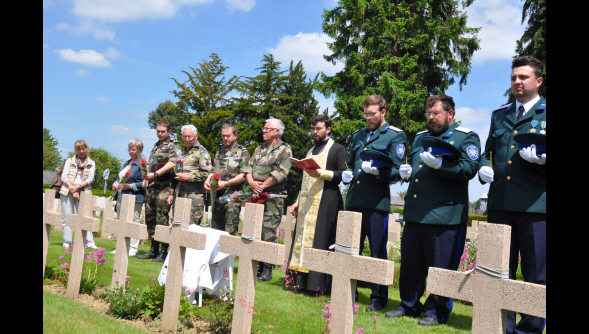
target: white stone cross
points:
(50, 217)
(95, 206)
(346, 269)
(491, 296)
(250, 250)
(125, 229)
(82, 221)
(471, 232)
(287, 224)
(179, 238)
(109, 207)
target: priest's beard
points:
(319, 140)
(436, 128)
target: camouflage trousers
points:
(273, 209)
(157, 208)
(226, 216)
(198, 205)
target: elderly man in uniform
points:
(159, 193)
(267, 172)
(230, 160)
(369, 191)
(196, 167)
(442, 161)
(517, 196)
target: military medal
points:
(534, 124)
(532, 130)
(543, 126)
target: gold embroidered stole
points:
(309, 200)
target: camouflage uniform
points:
(156, 207)
(197, 165)
(266, 162)
(229, 163)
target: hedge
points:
(96, 192)
(468, 222)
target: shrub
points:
(475, 217)
(153, 299)
(222, 309)
(397, 210)
(125, 303)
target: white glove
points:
(529, 154)
(430, 160)
(405, 171)
(367, 168)
(347, 176)
(486, 174)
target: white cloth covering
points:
(206, 269)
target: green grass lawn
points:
(62, 315)
(278, 309)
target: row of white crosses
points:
(491, 296)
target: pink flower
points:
(128, 277)
(67, 252)
(61, 258)
(65, 265)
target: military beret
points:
(527, 139)
(378, 159)
(439, 147)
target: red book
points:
(308, 163)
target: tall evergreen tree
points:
(403, 50)
(533, 41)
(203, 100)
(51, 158)
(286, 95)
(165, 113)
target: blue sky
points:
(108, 63)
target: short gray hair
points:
(277, 123)
(188, 126)
(137, 143)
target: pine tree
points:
(402, 50)
(165, 113)
(51, 158)
(203, 100)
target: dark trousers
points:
(528, 237)
(375, 227)
(424, 246)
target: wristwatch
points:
(228, 184)
(156, 175)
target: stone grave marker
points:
(489, 289)
(82, 221)
(179, 238)
(287, 224)
(109, 213)
(50, 217)
(59, 227)
(471, 232)
(250, 249)
(394, 231)
(346, 266)
(125, 229)
(95, 207)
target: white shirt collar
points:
(527, 105)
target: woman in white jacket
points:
(78, 174)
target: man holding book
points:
(319, 202)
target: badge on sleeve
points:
(401, 150)
(473, 152)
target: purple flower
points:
(67, 252)
(128, 277)
(65, 265)
(61, 258)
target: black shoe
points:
(428, 321)
(266, 273)
(153, 251)
(374, 307)
(260, 269)
(163, 254)
(395, 314)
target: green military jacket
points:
(369, 191)
(440, 196)
(230, 163)
(197, 165)
(162, 152)
(518, 185)
(271, 161)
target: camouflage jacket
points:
(197, 165)
(162, 152)
(231, 162)
(273, 161)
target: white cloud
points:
(45, 45)
(135, 43)
(45, 120)
(135, 114)
(111, 53)
(308, 47)
(102, 98)
(245, 5)
(82, 72)
(477, 120)
(501, 28)
(129, 10)
(325, 103)
(87, 26)
(84, 57)
(140, 133)
(47, 3)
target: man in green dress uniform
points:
(443, 159)
(369, 191)
(517, 195)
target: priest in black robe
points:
(317, 206)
